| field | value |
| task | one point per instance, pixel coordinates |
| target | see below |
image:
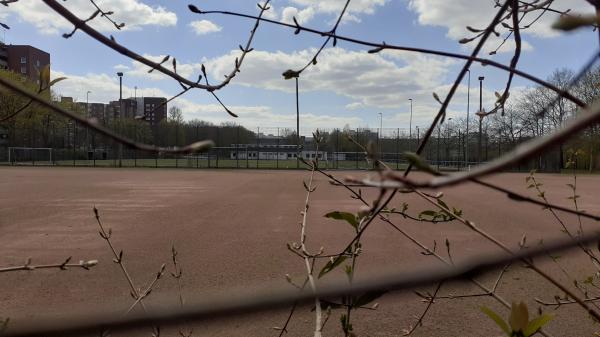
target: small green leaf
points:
(536, 324)
(348, 217)
(428, 213)
(56, 80)
(418, 162)
(519, 317)
(331, 265)
(443, 204)
(496, 318)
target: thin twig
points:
(210, 307)
(419, 322)
(62, 266)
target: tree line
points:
(521, 119)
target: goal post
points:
(30, 155)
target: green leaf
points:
(427, 213)
(56, 80)
(331, 265)
(442, 203)
(348, 217)
(418, 162)
(497, 319)
(536, 324)
(45, 74)
(519, 317)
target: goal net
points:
(30, 156)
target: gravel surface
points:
(231, 228)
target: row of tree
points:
(530, 113)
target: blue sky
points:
(348, 86)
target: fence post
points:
(176, 142)
(277, 160)
(380, 148)
(257, 145)
(237, 148)
(337, 148)
(398, 149)
(217, 147)
(356, 153)
(208, 155)
(74, 140)
(196, 139)
(499, 144)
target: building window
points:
(37, 63)
(23, 59)
(23, 70)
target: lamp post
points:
(120, 74)
(410, 125)
(468, 113)
(481, 114)
(288, 75)
(297, 124)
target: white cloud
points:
(133, 13)
(371, 80)
(271, 13)
(140, 70)
(302, 16)
(336, 6)
(456, 15)
(355, 105)
(105, 88)
(203, 27)
(307, 9)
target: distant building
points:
(129, 108)
(273, 152)
(153, 109)
(270, 147)
(25, 60)
(66, 99)
(98, 111)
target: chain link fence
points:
(260, 148)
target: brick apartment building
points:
(23, 59)
(143, 108)
(150, 109)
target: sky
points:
(347, 86)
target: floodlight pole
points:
(297, 125)
(481, 114)
(468, 113)
(410, 125)
(120, 74)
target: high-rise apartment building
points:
(23, 59)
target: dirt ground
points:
(231, 228)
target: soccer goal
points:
(30, 156)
